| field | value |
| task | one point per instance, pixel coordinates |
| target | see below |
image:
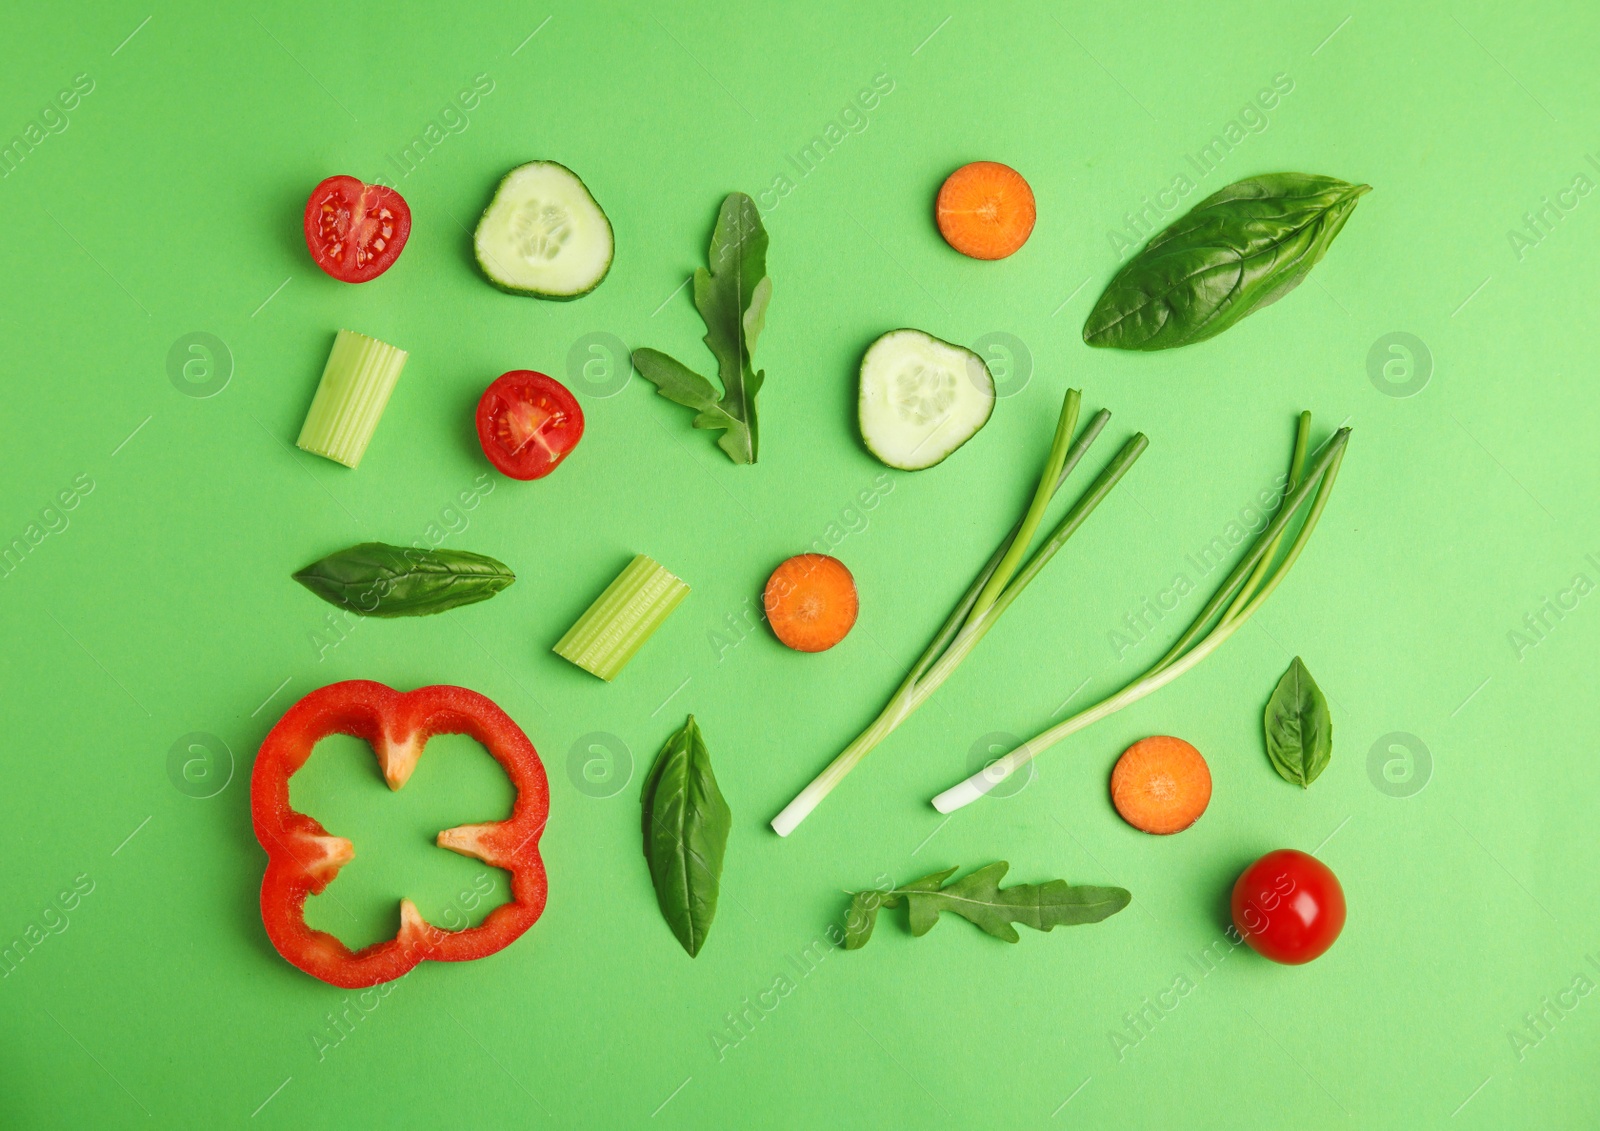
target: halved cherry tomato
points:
(1288, 906)
(527, 423)
(355, 231)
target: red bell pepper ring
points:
(303, 857)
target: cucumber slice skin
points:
(534, 292)
(861, 402)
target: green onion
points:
(1241, 594)
(356, 383)
(996, 587)
(622, 618)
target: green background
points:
(171, 204)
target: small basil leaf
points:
(1298, 727)
(379, 580)
(685, 823)
(1240, 249)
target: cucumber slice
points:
(543, 234)
(921, 398)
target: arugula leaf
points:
(732, 297)
(863, 914)
(1298, 727)
(686, 822)
(978, 898)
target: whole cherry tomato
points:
(1288, 906)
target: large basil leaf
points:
(686, 823)
(732, 298)
(1238, 250)
(978, 898)
(1299, 728)
(379, 580)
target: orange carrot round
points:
(985, 210)
(1161, 785)
(811, 602)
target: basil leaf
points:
(685, 824)
(379, 580)
(1238, 250)
(732, 298)
(1299, 728)
(978, 898)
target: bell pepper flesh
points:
(303, 857)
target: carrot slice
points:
(811, 602)
(1161, 785)
(985, 210)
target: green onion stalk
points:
(1249, 584)
(999, 584)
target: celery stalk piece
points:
(355, 386)
(622, 618)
